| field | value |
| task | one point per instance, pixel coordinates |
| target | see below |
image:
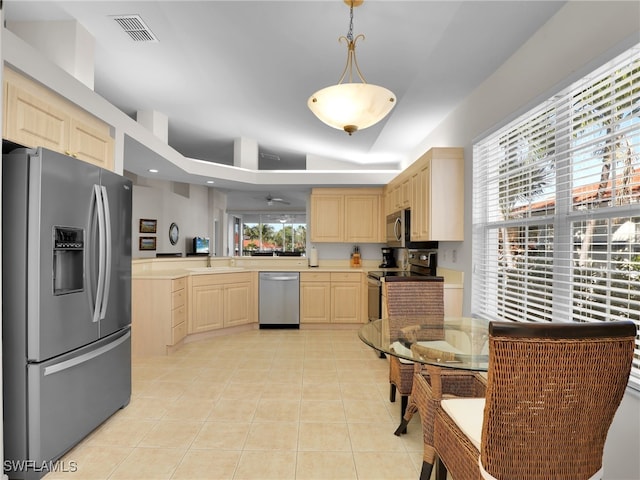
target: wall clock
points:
(174, 233)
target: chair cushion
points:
(467, 413)
(487, 476)
(483, 473)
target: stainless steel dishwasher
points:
(279, 298)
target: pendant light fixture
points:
(351, 106)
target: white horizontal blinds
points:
(605, 188)
(606, 273)
(556, 214)
(516, 180)
(604, 114)
(526, 170)
(514, 197)
(525, 272)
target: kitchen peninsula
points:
(187, 299)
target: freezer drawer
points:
(73, 394)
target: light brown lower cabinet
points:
(315, 297)
(453, 302)
(346, 297)
(207, 307)
(163, 315)
(159, 315)
(222, 300)
(331, 297)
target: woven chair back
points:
(553, 390)
(411, 303)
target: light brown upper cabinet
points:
(439, 211)
(34, 116)
(351, 215)
(434, 185)
(327, 216)
(398, 195)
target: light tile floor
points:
(263, 404)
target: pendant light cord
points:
(350, 32)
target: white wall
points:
(342, 251)
(73, 48)
(217, 220)
(621, 452)
(167, 202)
(196, 214)
(579, 38)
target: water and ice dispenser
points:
(68, 260)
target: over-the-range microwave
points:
(399, 232)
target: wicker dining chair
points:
(432, 384)
(406, 301)
(552, 392)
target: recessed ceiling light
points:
(153, 170)
(210, 181)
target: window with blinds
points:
(556, 207)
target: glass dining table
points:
(456, 342)
(449, 353)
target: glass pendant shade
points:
(351, 106)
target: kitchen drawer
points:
(346, 276)
(178, 298)
(178, 315)
(178, 284)
(178, 332)
(315, 276)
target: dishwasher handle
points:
(279, 277)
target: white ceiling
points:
(222, 70)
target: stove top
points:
(388, 273)
(391, 276)
(422, 266)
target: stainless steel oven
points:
(374, 298)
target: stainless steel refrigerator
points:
(66, 304)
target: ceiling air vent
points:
(270, 156)
(135, 27)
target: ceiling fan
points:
(271, 200)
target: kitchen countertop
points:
(172, 268)
(177, 273)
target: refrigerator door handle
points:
(101, 254)
(66, 364)
(107, 252)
